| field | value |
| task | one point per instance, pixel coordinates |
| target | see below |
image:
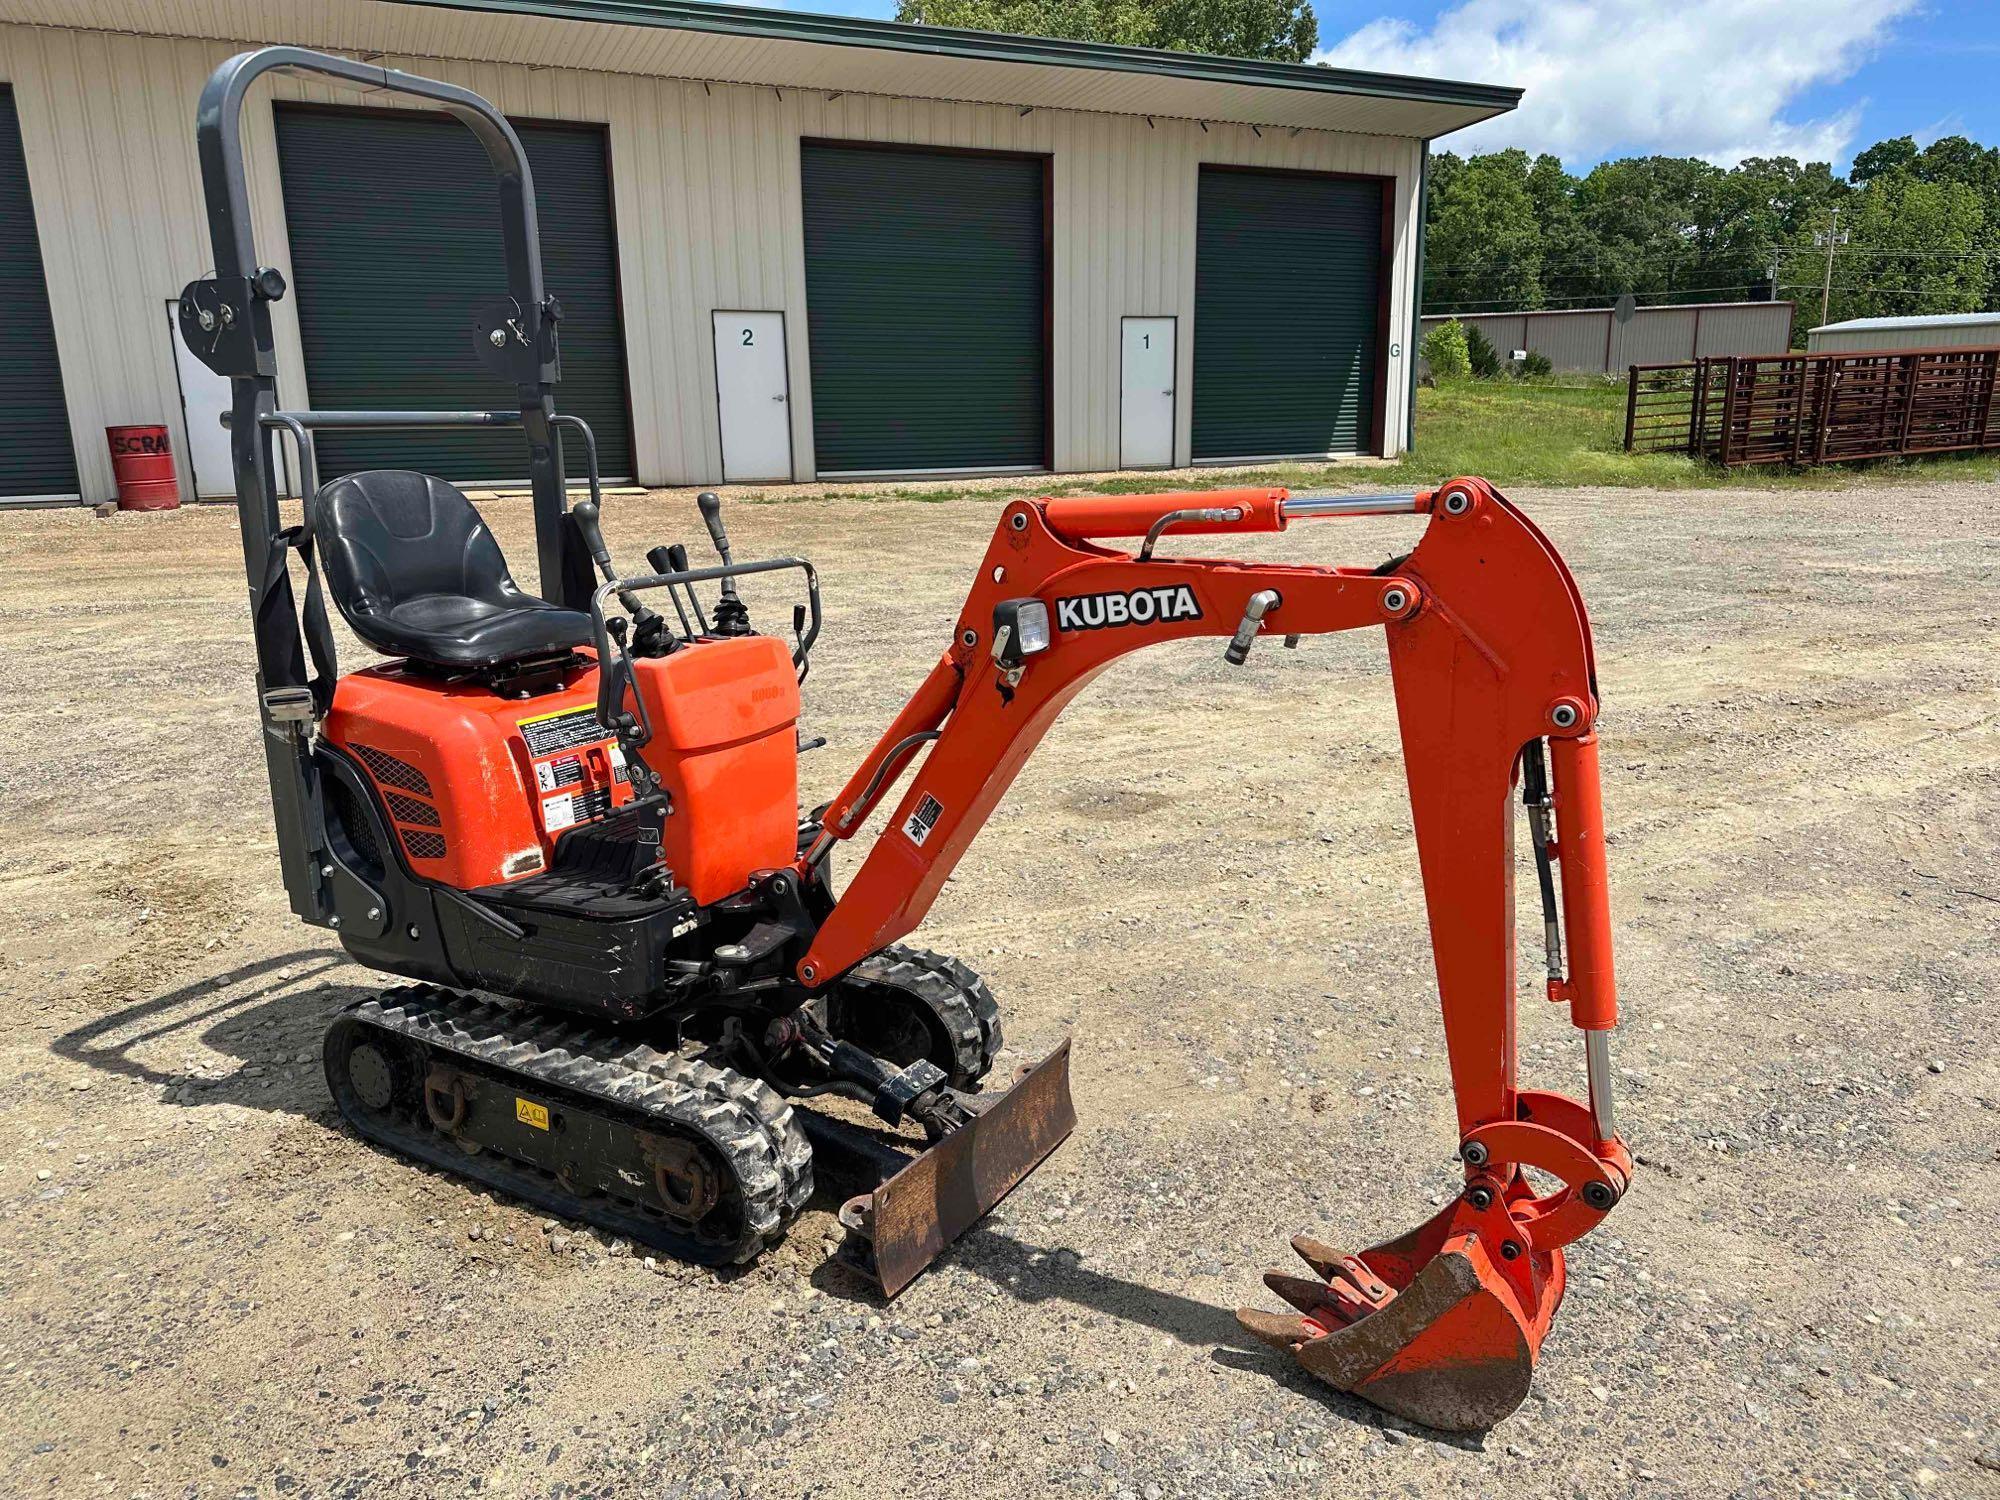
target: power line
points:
(1845, 287)
(1456, 304)
(1814, 250)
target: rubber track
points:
(746, 1121)
(949, 991)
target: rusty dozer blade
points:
(927, 1202)
(1429, 1326)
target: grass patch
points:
(1561, 433)
(1571, 431)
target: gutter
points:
(984, 46)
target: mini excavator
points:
(570, 823)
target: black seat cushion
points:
(416, 573)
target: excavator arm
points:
(1490, 653)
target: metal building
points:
(1980, 330)
(787, 246)
(1596, 341)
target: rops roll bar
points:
(226, 319)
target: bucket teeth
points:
(1275, 1329)
(1322, 1257)
(1313, 1298)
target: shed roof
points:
(1920, 320)
(697, 39)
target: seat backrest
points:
(392, 535)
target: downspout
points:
(1417, 297)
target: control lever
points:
(799, 642)
(661, 560)
(677, 562)
(1261, 604)
(648, 627)
(731, 618)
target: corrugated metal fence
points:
(1592, 341)
(1816, 408)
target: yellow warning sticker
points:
(530, 1113)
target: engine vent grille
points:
(410, 810)
(421, 845)
(390, 771)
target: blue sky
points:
(1715, 78)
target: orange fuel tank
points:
(480, 787)
(724, 717)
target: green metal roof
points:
(985, 46)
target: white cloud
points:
(1709, 78)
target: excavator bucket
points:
(1430, 1326)
(923, 1204)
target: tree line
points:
(1914, 229)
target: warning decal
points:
(919, 824)
(569, 729)
(565, 770)
(572, 808)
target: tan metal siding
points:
(1759, 328)
(1666, 335)
(705, 185)
(1571, 341)
(1591, 341)
(1916, 335)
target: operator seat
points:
(416, 573)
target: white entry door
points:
(751, 387)
(1146, 395)
(204, 398)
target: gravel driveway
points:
(212, 1289)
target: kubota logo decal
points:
(1138, 607)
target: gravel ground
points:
(212, 1289)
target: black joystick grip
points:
(711, 513)
(585, 512)
(731, 618)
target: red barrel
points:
(143, 464)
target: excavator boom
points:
(1490, 653)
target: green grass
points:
(1555, 434)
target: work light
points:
(1020, 629)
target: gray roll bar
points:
(245, 294)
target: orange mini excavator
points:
(571, 822)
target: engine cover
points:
(479, 786)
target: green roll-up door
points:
(1288, 277)
(394, 221)
(36, 456)
(926, 303)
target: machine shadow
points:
(1034, 1274)
(283, 1004)
(278, 1005)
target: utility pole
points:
(1832, 239)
